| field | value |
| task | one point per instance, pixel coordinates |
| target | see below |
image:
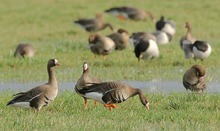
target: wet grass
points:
(175, 111)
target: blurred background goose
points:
(93, 25)
(162, 37)
(126, 12)
(41, 95)
(101, 45)
(136, 36)
(24, 50)
(194, 79)
(167, 26)
(110, 93)
(121, 39)
(85, 80)
(201, 50)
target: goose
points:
(101, 45)
(93, 25)
(24, 50)
(110, 93)
(132, 13)
(41, 95)
(201, 50)
(188, 38)
(194, 79)
(135, 37)
(167, 26)
(121, 39)
(85, 80)
(162, 37)
(146, 49)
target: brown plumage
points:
(93, 25)
(85, 80)
(41, 95)
(121, 39)
(194, 79)
(101, 45)
(24, 50)
(110, 93)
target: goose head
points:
(53, 62)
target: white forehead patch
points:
(56, 61)
(85, 66)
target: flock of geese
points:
(145, 47)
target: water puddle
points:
(155, 86)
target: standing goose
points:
(110, 93)
(194, 79)
(93, 25)
(85, 80)
(24, 50)
(126, 12)
(101, 45)
(146, 49)
(135, 37)
(201, 50)
(41, 95)
(121, 39)
(167, 26)
(162, 37)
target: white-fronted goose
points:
(126, 12)
(121, 39)
(85, 80)
(146, 49)
(101, 45)
(167, 26)
(162, 37)
(93, 25)
(135, 37)
(110, 93)
(24, 50)
(194, 79)
(41, 95)
(188, 38)
(201, 50)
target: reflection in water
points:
(155, 86)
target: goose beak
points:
(147, 106)
(58, 64)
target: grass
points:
(48, 25)
(176, 111)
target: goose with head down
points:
(24, 50)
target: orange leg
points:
(110, 106)
(121, 17)
(85, 103)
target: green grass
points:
(175, 111)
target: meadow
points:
(48, 26)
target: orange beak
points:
(147, 106)
(58, 64)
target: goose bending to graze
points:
(93, 25)
(135, 37)
(167, 26)
(194, 79)
(146, 49)
(24, 50)
(121, 39)
(101, 45)
(201, 50)
(110, 93)
(126, 12)
(85, 80)
(41, 95)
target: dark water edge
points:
(155, 86)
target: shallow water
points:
(155, 86)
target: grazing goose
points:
(85, 80)
(201, 50)
(135, 37)
(101, 45)
(93, 25)
(194, 79)
(41, 95)
(121, 39)
(110, 93)
(146, 49)
(24, 50)
(126, 12)
(162, 37)
(167, 26)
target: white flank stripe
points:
(22, 104)
(95, 96)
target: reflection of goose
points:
(41, 95)
(24, 50)
(194, 79)
(93, 25)
(126, 12)
(167, 26)
(85, 80)
(110, 93)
